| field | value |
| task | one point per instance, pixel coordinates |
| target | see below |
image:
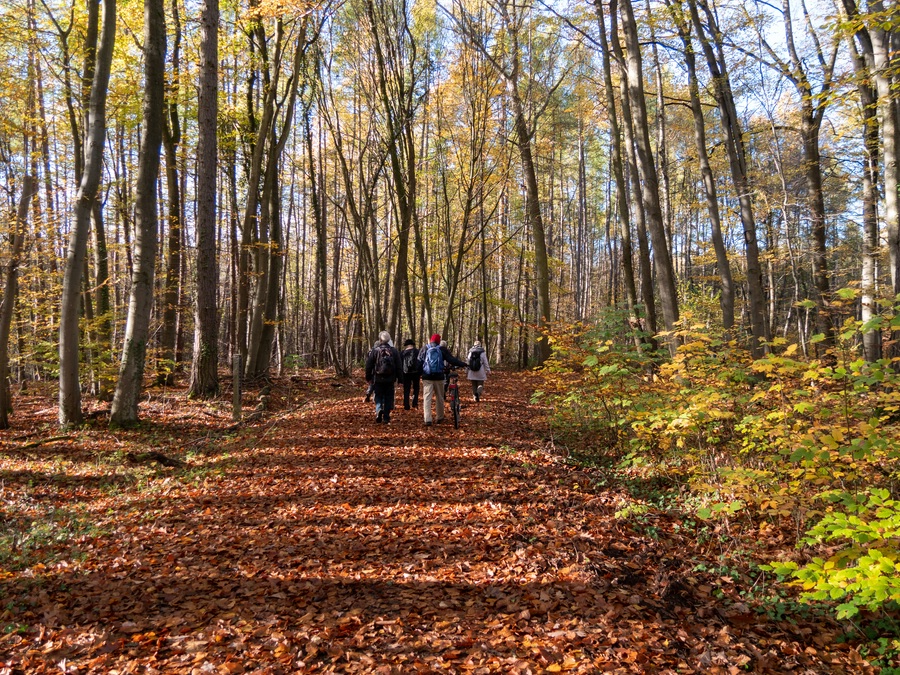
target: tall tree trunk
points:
(616, 162)
(103, 305)
(632, 182)
(124, 409)
(399, 111)
(10, 293)
(204, 366)
(171, 141)
(734, 143)
(271, 251)
(69, 388)
(726, 297)
(873, 42)
(665, 276)
(254, 231)
(868, 280)
(889, 117)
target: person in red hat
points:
(433, 357)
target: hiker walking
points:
(382, 371)
(433, 357)
(479, 369)
(412, 374)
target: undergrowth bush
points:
(784, 438)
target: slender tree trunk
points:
(616, 162)
(632, 182)
(69, 388)
(204, 367)
(890, 131)
(726, 298)
(10, 293)
(124, 409)
(868, 105)
(737, 160)
(103, 305)
(171, 284)
(665, 276)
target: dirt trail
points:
(323, 542)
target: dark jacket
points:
(373, 357)
(403, 358)
(448, 358)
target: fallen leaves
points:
(331, 544)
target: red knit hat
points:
(436, 338)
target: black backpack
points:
(475, 359)
(410, 362)
(384, 362)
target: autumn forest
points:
(673, 224)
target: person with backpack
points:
(412, 374)
(370, 386)
(383, 368)
(433, 358)
(479, 369)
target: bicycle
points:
(453, 395)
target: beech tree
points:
(204, 367)
(124, 409)
(10, 293)
(85, 202)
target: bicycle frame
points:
(453, 395)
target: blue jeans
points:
(384, 397)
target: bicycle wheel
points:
(454, 405)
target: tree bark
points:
(10, 293)
(204, 366)
(171, 141)
(868, 103)
(665, 277)
(726, 297)
(124, 411)
(734, 143)
(69, 389)
(616, 164)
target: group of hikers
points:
(430, 365)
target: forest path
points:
(323, 542)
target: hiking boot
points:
(379, 417)
(427, 424)
(368, 397)
(387, 418)
(479, 392)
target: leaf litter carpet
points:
(322, 542)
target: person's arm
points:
(398, 363)
(485, 364)
(452, 360)
(370, 365)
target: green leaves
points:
(720, 508)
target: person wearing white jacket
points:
(478, 376)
